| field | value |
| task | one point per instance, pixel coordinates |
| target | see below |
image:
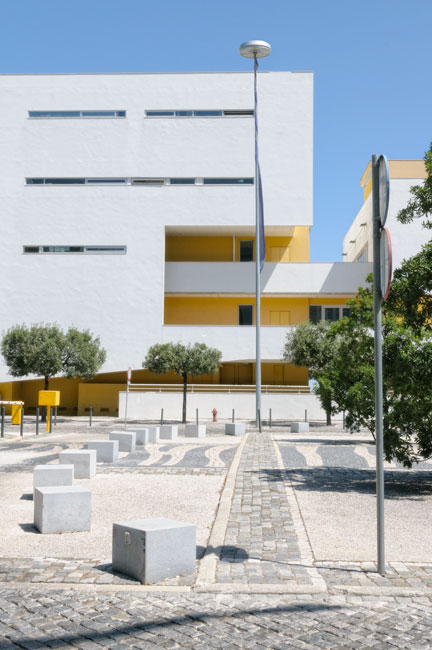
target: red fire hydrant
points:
(214, 415)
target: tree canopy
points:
(420, 204)
(185, 360)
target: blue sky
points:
(371, 61)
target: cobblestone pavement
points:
(120, 621)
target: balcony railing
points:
(217, 388)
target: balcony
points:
(289, 279)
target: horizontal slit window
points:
(201, 113)
(148, 181)
(140, 181)
(228, 181)
(93, 249)
(231, 113)
(182, 181)
(56, 114)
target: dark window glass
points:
(238, 112)
(63, 249)
(64, 181)
(105, 181)
(31, 249)
(103, 113)
(160, 113)
(345, 311)
(105, 249)
(314, 313)
(208, 113)
(148, 181)
(245, 314)
(184, 113)
(182, 181)
(246, 251)
(228, 181)
(34, 181)
(331, 314)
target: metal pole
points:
(2, 421)
(257, 260)
(37, 421)
(233, 415)
(305, 415)
(55, 416)
(49, 419)
(259, 421)
(161, 417)
(197, 416)
(270, 418)
(378, 366)
(90, 415)
(126, 403)
(22, 423)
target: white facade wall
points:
(121, 297)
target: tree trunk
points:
(328, 413)
(44, 408)
(184, 398)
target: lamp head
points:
(258, 49)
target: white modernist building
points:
(128, 209)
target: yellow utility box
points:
(49, 397)
(16, 413)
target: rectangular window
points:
(201, 113)
(148, 181)
(239, 112)
(139, 181)
(245, 314)
(228, 181)
(59, 114)
(182, 181)
(330, 314)
(314, 314)
(345, 312)
(107, 250)
(246, 251)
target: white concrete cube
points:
(51, 475)
(299, 427)
(154, 434)
(62, 509)
(83, 460)
(154, 549)
(142, 435)
(106, 450)
(195, 431)
(235, 428)
(168, 432)
(126, 439)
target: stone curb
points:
(409, 592)
(208, 564)
(236, 588)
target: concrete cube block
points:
(83, 460)
(299, 427)
(154, 549)
(126, 439)
(154, 434)
(235, 428)
(106, 450)
(52, 475)
(62, 509)
(168, 432)
(195, 431)
(142, 435)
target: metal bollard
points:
(49, 419)
(55, 416)
(259, 420)
(233, 415)
(2, 420)
(270, 418)
(197, 416)
(22, 423)
(162, 419)
(305, 415)
(37, 421)
(90, 415)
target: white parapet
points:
(62, 509)
(83, 460)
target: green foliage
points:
(420, 205)
(184, 360)
(45, 350)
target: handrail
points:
(217, 388)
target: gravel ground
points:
(115, 497)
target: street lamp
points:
(257, 50)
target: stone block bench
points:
(51, 475)
(235, 428)
(150, 550)
(154, 434)
(168, 432)
(106, 450)
(83, 460)
(142, 435)
(299, 427)
(126, 439)
(62, 509)
(195, 431)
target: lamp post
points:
(257, 50)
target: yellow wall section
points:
(397, 169)
(220, 249)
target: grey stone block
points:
(126, 439)
(235, 428)
(52, 475)
(299, 427)
(106, 450)
(62, 509)
(154, 434)
(168, 432)
(154, 549)
(83, 460)
(142, 435)
(195, 431)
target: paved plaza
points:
(286, 545)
